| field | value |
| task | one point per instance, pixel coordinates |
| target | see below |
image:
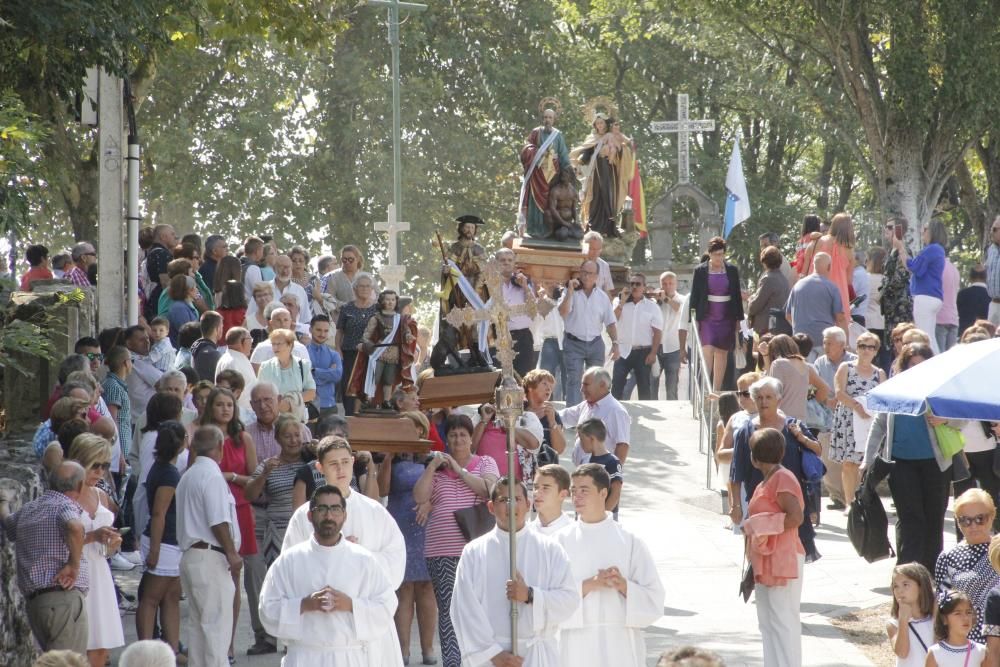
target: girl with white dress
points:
(952, 624)
(104, 626)
(913, 611)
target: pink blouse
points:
(773, 551)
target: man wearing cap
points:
(83, 255)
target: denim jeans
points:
(670, 367)
(946, 335)
(551, 360)
(578, 357)
(635, 363)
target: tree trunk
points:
(903, 188)
(825, 176)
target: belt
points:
(206, 545)
(718, 298)
(997, 300)
(642, 348)
(43, 591)
(578, 339)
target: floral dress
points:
(842, 445)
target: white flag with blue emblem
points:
(737, 201)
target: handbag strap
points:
(917, 635)
(968, 652)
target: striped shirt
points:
(450, 493)
(116, 393)
(993, 271)
(38, 531)
(77, 276)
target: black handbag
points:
(867, 524)
(474, 521)
(747, 583)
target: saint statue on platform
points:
(560, 217)
(461, 285)
(543, 157)
(607, 162)
(385, 353)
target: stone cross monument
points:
(392, 273)
(684, 127)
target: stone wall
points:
(19, 477)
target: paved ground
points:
(665, 500)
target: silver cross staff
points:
(683, 126)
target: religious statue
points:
(543, 157)
(607, 162)
(385, 353)
(461, 285)
(560, 217)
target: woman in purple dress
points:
(397, 477)
(718, 304)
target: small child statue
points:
(386, 352)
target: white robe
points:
(375, 530)
(562, 521)
(480, 611)
(328, 639)
(607, 628)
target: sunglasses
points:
(637, 284)
(743, 394)
(101, 466)
(867, 346)
(94, 356)
(979, 520)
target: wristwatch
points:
(531, 595)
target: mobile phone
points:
(898, 231)
(124, 531)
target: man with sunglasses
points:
(83, 255)
(640, 328)
(327, 598)
(90, 348)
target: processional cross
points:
(509, 395)
(684, 127)
(392, 273)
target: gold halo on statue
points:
(550, 103)
(603, 105)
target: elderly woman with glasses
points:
(351, 325)
(853, 380)
(766, 394)
(966, 566)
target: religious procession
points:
(351, 371)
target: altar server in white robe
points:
(327, 598)
(550, 490)
(368, 523)
(622, 592)
(544, 589)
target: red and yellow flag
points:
(638, 202)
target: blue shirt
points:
(910, 439)
(926, 270)
(327, 369)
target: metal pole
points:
(132, 220)
(511, 497)
(397, 184)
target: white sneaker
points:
(118, 562)
(133, 557)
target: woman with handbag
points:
(451, 483)
(853, 380)
(718, 304)
(921, 472)
(538, 386)
(799, 445)
(774, 549)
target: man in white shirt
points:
(283, 284)
(141, 382)
(551, 489)
(548, 335)
(543, 589)
(279, 318)
(209, 536)
(600, 404)
(238, 346)
(253, 253)
(327, 598)
(671, 305)
(614, 570)
(518, 290)
(586, 311)
(593, 244)
(367, 524)
(640, 328)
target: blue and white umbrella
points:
(962, 383)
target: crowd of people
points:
(208, 445)
(216, 455)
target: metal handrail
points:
(704, 409)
